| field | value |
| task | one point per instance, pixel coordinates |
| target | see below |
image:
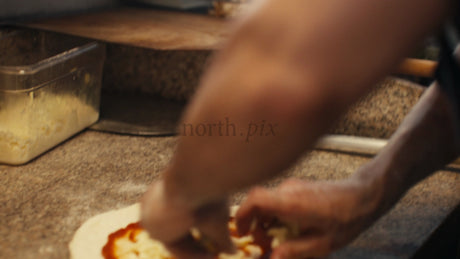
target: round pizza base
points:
(91, 237)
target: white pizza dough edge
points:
(90, 238)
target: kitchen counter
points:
(44, 202)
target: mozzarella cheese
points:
(140, 246)
(30, 125)
(137, 244)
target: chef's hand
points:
(168, 217)
(331, 214)
(328, 215)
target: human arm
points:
(297, 66)
(332, 214)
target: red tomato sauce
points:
(133, 229)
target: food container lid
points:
(31, 65)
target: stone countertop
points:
(44, 202)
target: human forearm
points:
(290, 65)
(426, 141)
(298, 71)
(341, 43)
(330, 214)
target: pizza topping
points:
(133, 242)
(282, 233)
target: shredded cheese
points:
(30, 125)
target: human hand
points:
(168, 217)
(328, 215)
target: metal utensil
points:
(138, 115)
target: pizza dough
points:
(91, 237)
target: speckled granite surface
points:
(172, 74)
(379, 113)
(175, 75)
(45, 201)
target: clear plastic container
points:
(49, 90)
(180, 4)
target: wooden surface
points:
(417, 67)
(168, 30)
(148, 28)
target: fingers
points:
(283, 203)
(305, 247)
(170, 221)
(261, 204)
(212, 224)
(163, 219)
(188, 248)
